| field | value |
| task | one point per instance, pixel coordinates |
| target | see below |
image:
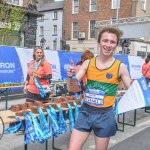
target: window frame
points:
(55, 15)
(54, 29)
(54, 44)
(13, 2)
(143, 5)
(93, 4)
(75, 32)
(41, 31)
(75, 5)
(92, 30)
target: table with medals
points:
(40, 121)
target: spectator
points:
(38, 77)
(103, 77)
(146, 70)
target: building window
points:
(16, 2)
(92, 5)
(41, 31)
(55, 29)
(75, 30)
(41, 19)
(75, 7)
(143, 4)
(114, 4)
(92, 28)
(55, 15)
(142, 54)
(54, 44)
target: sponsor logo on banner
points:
(54, 68)
(7, 67)
(10, 67)
(136, 67)
(64, 58)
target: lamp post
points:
(117, 12)
(42, 42)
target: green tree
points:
(11, 18)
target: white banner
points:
(135, 66)
(26, 55)
(137, 96)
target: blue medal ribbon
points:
(61, 121)
(39, 86)
(39, 134)
(44, 124)
(71, 119)
(53, 119)
(37, 83)
(76, 110)
(81, 102)
(116, 104)
(15, 128)
(29, 130)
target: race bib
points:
(94, 97)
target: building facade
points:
(49, 30)
(141, 46)
(23, 33)
(81, 16)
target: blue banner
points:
(123, 59)
(10, 67)
(13, 63)
(64, 58)
(145, 90)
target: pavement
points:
(133, 138)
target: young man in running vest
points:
(104, 74)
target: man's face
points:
(108, 43)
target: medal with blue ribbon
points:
(43, 123)
(30, 135)
(14, 128)
(38, 131)
(71, 119)
(61, 120)
(37, 83)
(76, 110)
(53, 119)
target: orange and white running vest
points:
(102, 84)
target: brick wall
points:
(104, 12)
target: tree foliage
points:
(11, 18)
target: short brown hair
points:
(87, 54)
(115, 31)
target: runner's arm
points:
(125, 77)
